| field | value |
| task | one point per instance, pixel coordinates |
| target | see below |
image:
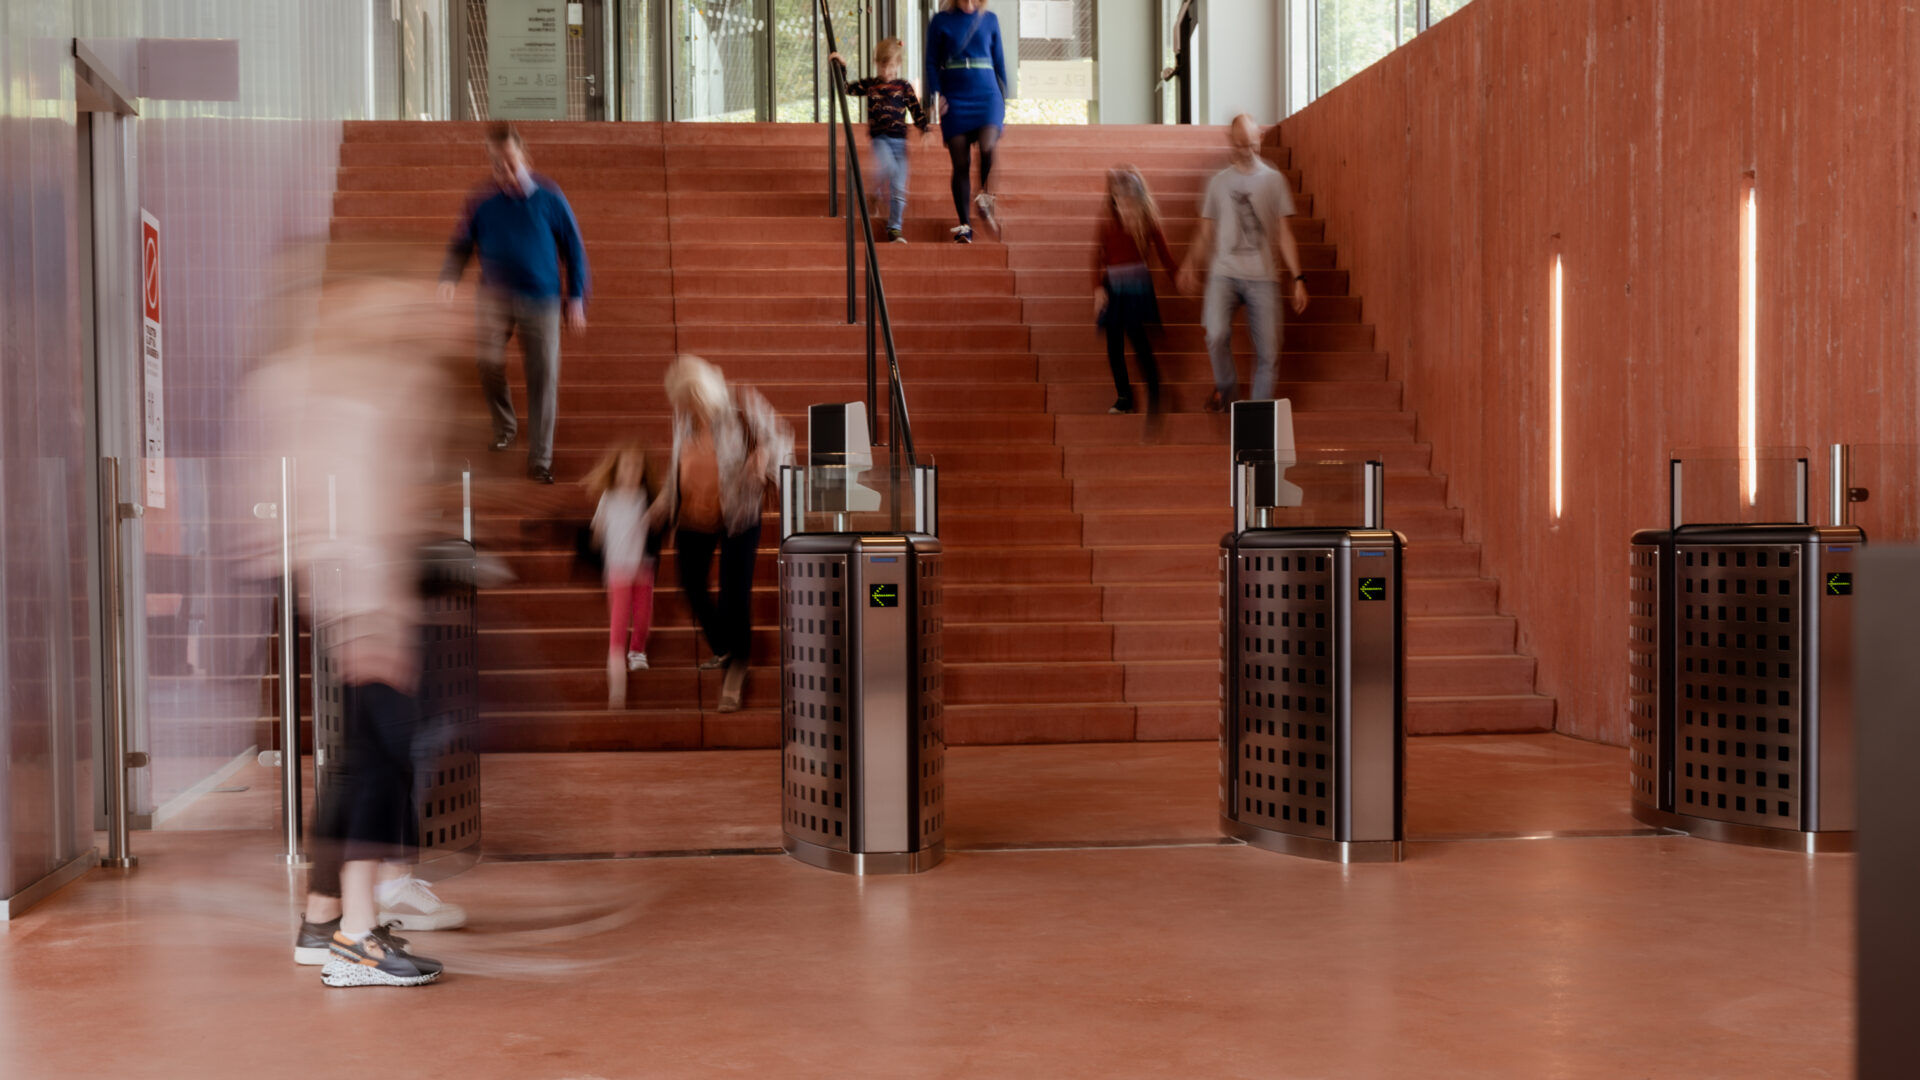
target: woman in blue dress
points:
(967, 69)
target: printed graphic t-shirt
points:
(1245, 209)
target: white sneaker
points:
(410, 904)
(986, 203)
(636, 661)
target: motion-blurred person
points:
(1123, 296)
(967, 68)
(1242, 218)
(523, 229)
(890, 99)
(620, 486)
(1184, 24)
(727, 444)
(359, 400)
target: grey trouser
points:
(1262, 301)
(537, 321)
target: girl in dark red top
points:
(1123, 296)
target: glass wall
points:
(1329, 41)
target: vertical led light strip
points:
(1559, 453)
(1749, 304)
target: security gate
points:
(1740, 681)
(1311, 713)
(861, 612)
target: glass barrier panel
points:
(1731, 486)
(208, 591)
(856, 493)
(1316, 493)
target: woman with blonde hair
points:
(1123, 296)
(967, 70)
(727, 444)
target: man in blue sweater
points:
(523, 228)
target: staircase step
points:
(1478, 715)
(978, 725)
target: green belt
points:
(968, 62)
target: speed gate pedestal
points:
(1311, 713)
(446, 763)
(863, 735)
(1740, 724)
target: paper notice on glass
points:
(1033, 18)
(526, 60)
(153, 367)
(1057, 80)
(1062, 25)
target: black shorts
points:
(368, 811)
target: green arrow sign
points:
(883, 596)
(1373, 588)
(1840, 584)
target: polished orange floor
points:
(1088, 924)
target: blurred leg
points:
(1220, 302)
(496, 323)
(641, 614)
(989, 138)
(1149, 367)
(1263, 325)
(696, 558)
(957, 146)
(540, 336)
(738, 555)
(1117, 357)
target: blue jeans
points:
(890, 161)
(1262, 301)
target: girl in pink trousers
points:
(620, 484)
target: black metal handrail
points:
(879, 321)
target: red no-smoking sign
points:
(150, 269)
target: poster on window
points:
(152, 380)
(526, 60)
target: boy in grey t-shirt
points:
(1242, 217)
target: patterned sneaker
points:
(985, 202)
(962, 234)
(1121, 407)
(636, 661)
(376, 960)
(312, 945)
(714, 663)
(410, 904)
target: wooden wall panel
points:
(1619, 133)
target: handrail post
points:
(115, 756)
(289, 678)
(833, 154)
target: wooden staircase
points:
(1083, 582)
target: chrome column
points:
(115, 757)
(290, 822)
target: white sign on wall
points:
(1059, 80)
(526, 60)
(152, 381)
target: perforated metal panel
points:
(1644, 747)
(448, 778)
(814, 653)
(930, 583)
(1284, 652)
(1741, 687)
(447, 765)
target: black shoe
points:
(312, 946)
(715, 663)
(1121, 407)
(540, 474)
(895, 236)
(963, 234)
(501, 442)
(1217, 402)
(379, 959)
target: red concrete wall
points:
(1619, 133)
